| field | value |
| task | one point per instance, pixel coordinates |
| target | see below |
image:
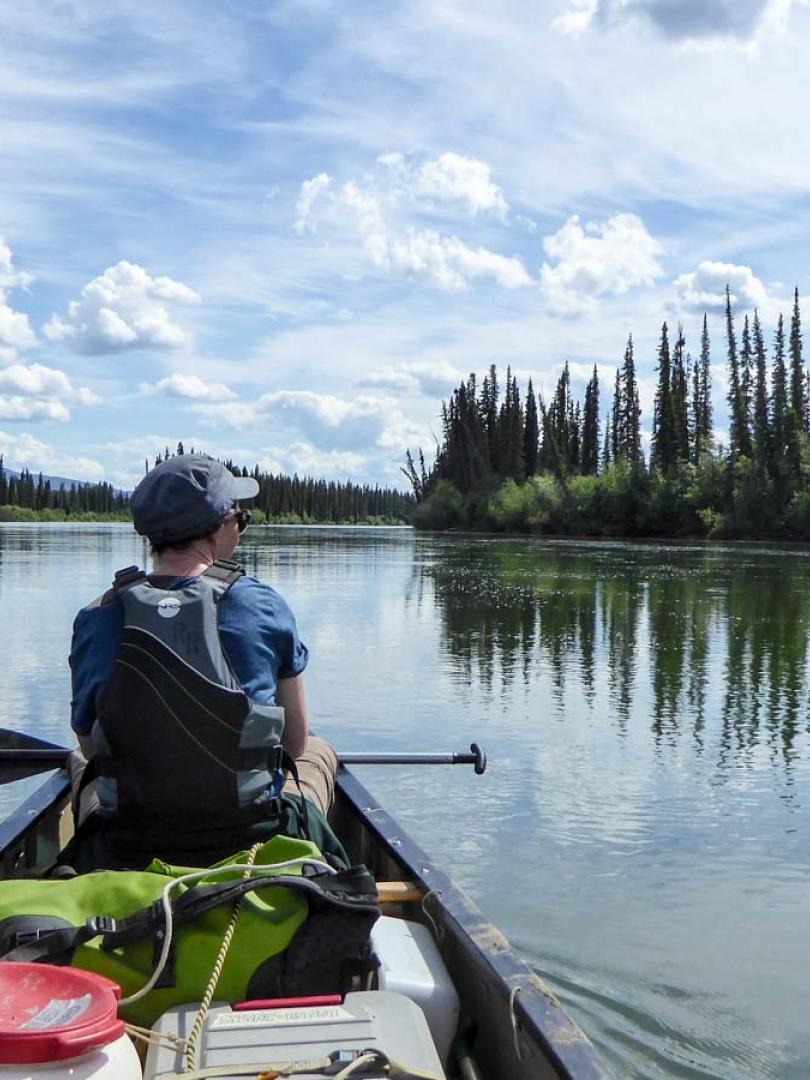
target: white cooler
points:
(277, 1034)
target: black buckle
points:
(275, 759)
(272, 808)
(27, 937)
(101, 924)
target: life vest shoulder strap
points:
(224, 572)
(128, 576)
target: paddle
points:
(24, 755)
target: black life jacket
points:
(179, 749)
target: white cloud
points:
(307, 460)
(14, 407)
(26, 451)
(390, 243)
(449, 178)
(37, 380)
(598, 260)
(430, 377)
(15, 329)
(9, 277)
(36, 392)
(704, 289)
(189, 386)
(124, 308)
(326, 421)
(426, 255)
(310, 190)
(716, 21)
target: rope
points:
(515, 1027)
(438, 933)
(248, 871)
(154, 1038)
(190, 1053)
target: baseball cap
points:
(186, 496)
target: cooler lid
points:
(53, 1013)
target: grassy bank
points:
(10, 512)
(24, 513)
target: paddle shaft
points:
(43, 756)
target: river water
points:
(642, 831)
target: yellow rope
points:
(190, 1054)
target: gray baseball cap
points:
(187, 496)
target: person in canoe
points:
(188, 692)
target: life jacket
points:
(300, 931)
(180, 752)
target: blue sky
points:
(283, 231)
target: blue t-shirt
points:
(256, 627)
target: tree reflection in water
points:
(719, 634)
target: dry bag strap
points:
(353, 889)
(288, 762)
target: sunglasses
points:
(242, 519)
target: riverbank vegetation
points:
(516, 463)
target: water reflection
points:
(672, 626)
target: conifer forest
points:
(511, 461)
(282, 499)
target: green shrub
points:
(443, 509)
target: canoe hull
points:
(514, 1023)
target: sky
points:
(282, 232)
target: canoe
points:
(513, 1026)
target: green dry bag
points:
(303, 928)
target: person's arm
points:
(291, 697)
(96, 635)
(85, 745)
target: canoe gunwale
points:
(530, 1033)
(29, 836)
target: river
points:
(642, 831)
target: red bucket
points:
(51, 1014)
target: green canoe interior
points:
(513, 1023)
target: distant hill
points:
(58, 483)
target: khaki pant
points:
(317, 768)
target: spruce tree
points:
(490, 418)
(761, 436)
(617, 432)
(746, 393)
(779, 397)
(575, 447)
(695, 413)
(632, 417)
(590, 427)
(531, 433)
(663, 453)
(734, 396)
(704, 418)
(680, 398)
(606, 456)
(797, 375)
